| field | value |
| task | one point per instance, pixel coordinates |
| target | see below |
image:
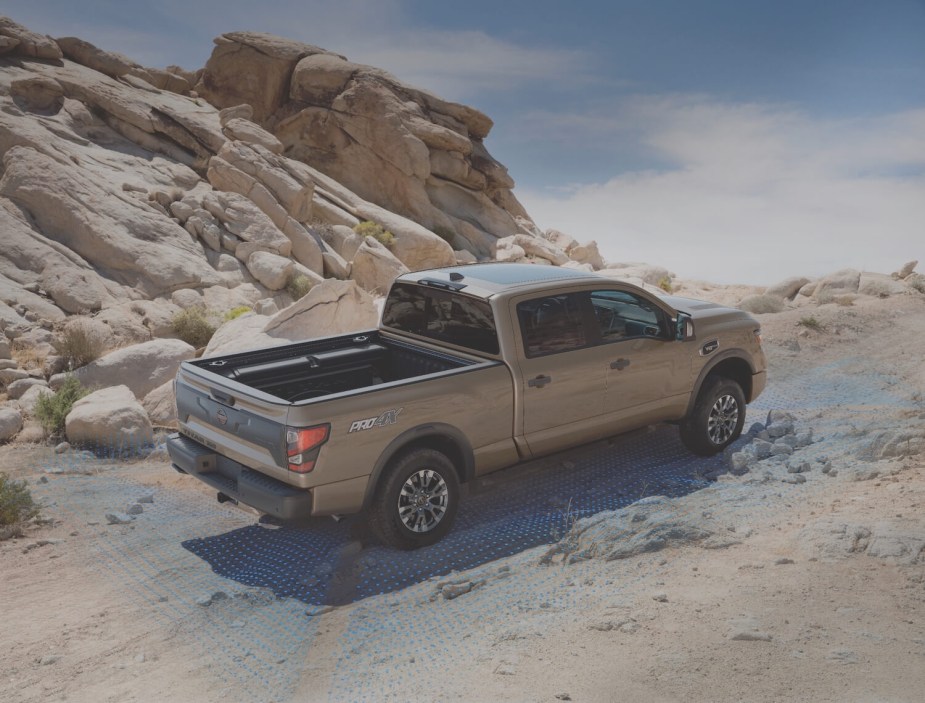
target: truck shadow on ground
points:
(326, 563)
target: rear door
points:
(562, 370)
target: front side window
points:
(446, 316)
(624, 315)
(553, 324)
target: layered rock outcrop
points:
(394, 145)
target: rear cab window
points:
(442, 315)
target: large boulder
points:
(880, 285)
(29, 43)
(375, 267)
(271, 270)
(141, 367)
(75, 290)
(330, 308)
(10, 423)
(17, 389)
(251, 68)
(841, 282)
(534, 246)
(28, 400)
(788, 288)
(109, 417)
(161, 405)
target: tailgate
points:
(245, 425)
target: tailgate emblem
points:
(221, 417)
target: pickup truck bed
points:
(314, 370)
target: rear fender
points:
(439, 436)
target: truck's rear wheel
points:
(717, 418)
(416, 501)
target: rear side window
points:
(445, 316)
(553, 324)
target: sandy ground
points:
(816, 594)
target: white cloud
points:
(755, 193)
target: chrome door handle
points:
(619, 364)
(539, 381)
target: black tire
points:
(416, 500)
(717, 418)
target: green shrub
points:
(193, 326)
(376, 231)
(52, 409)
(298, 286)
(665, 284)
(16, 506)
(811, 323)
(78, 344)
(236, 312)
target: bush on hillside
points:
(193, 326)
(51, 409)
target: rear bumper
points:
(238, 481)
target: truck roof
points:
(486, 280)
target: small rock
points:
(50, 659)
(505, 669)
(118, 518)
(236, 623)
(780, 428)
(206, 601)
(783, 560)
(317, 610)
(799, 468)
(751, 636)
(563, 697)
(63, 447)
(454, 590)
(794, 478)
(146, 498)
(740, 462)
(781, 450)
(140, 658)
(660, 597)
(134, 509)
(843, 656)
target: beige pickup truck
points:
(472, 369)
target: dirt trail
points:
(761, 589)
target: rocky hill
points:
(271, 193)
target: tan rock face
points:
(128, 243)
(28, 43)
(393, 145)
(252, 68)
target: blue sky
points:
(730, 140)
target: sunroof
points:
(512, 274)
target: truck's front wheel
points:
(717, 418)
(416, 501)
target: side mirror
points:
(685, 327)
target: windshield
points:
(445, 316)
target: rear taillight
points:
(303, 445)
